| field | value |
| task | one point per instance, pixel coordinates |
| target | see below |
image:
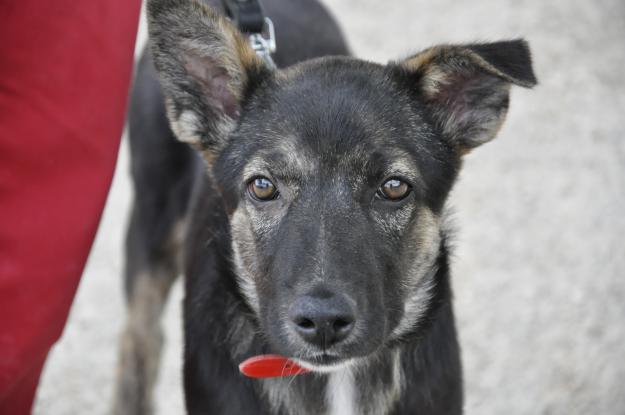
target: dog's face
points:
(335, 183)
(334, 172)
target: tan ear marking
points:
(421, 59)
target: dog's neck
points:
(371, 386)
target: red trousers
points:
(65, 68)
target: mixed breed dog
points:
(306, 208)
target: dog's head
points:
(334, 172)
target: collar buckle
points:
(264, 43)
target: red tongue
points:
(269, 366)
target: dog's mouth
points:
(268, 366)
(324, 362)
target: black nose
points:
(323, 321)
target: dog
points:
(306, 208)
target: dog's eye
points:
(261, 188)
(394, 189)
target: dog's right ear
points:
(205, 66)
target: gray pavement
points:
(539, 269)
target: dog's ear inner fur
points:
(205, 65)
(466, 87)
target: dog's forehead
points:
(334, 115)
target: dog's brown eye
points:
(261, 188)
(394, 189)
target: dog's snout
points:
(323, 321)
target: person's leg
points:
(65, 67)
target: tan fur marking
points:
(141, 345)
(142, 338)
(244, 256)
(420, 60)
(427, 238)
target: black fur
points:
(326, 131)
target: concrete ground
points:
(539, 270)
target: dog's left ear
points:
(466, 88)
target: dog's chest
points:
(333, 394)
(345, 392)
(341, 394)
